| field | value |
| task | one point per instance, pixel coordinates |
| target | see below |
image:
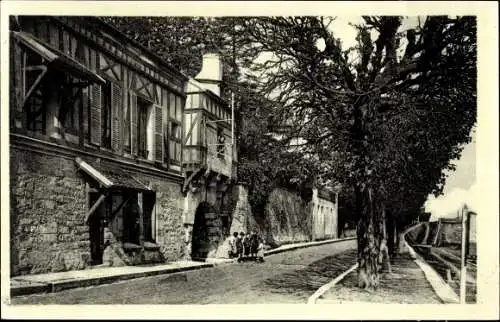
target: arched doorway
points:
(205, 228)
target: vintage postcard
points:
(249, 159)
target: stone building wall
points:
(47, 217)
(169, 225)
(47, 214)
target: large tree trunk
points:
(369, 236)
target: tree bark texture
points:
(370, 235)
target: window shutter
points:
(165, 108)
(116, 108)
(158, 117)
(17, 85)
(95, 114)
(133, 124)
(85, 114)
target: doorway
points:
(206, 231)
(96, 222)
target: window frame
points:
(147, 105)
(74, 111)
(175, 111)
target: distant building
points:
(324, 214)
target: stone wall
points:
(241, 210)
(47, 217)
(169, 224)
(288, 218)
(214, 203)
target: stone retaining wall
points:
(288, 218)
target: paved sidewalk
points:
(54, 282)
(407, 284)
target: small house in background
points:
(324, 207)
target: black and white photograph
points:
(227, 155)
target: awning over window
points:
(111, 177)
(57, 58)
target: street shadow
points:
(305, 281)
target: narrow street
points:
(288, 277)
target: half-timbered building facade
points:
(96, 148)
(209, 163)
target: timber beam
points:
(94, 207)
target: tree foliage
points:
(385, 117)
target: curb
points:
(59, 285)
(440, 287)
(313, 298)
(56, 286)
(323, 242)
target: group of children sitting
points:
(247, 247)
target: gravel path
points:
(406, 284)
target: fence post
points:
(463, 254)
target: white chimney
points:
(210, 75)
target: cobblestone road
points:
(289, 277)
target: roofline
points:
(206, 91)
(117, 33)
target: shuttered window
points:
(71, 103)
(126, 124)
(95, 114)
(142, 140)
(106, 115)
(116, 115)
(158, 119)
(165, 97)
(133, 124)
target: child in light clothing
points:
(233, 252)
(260, 251)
